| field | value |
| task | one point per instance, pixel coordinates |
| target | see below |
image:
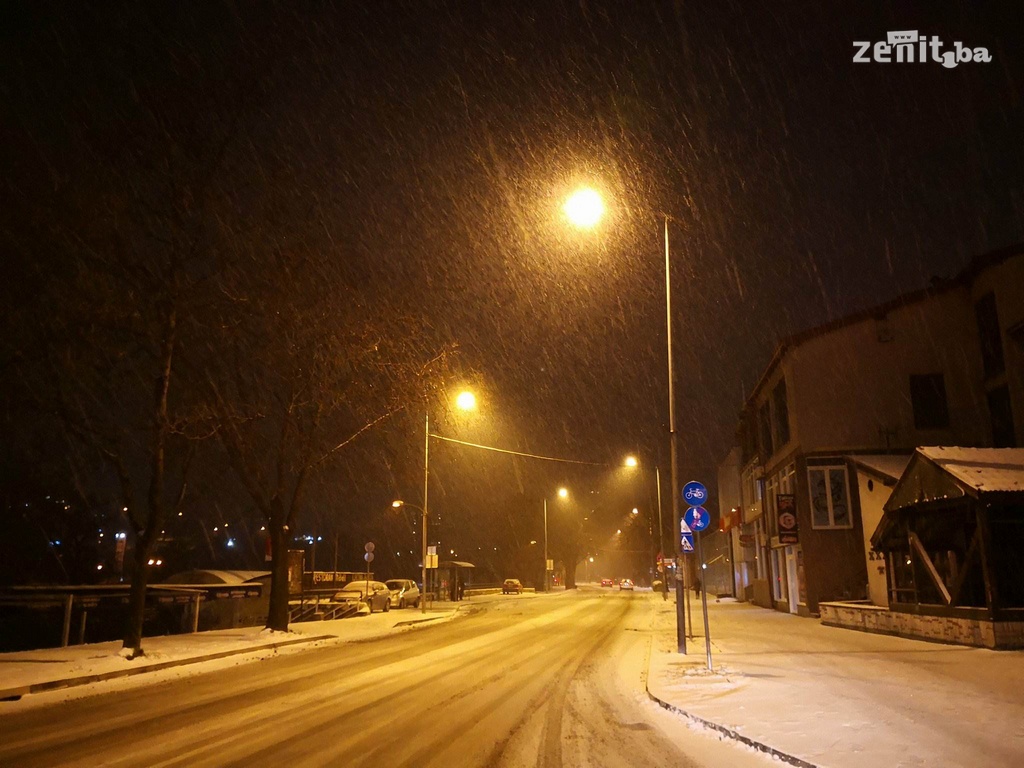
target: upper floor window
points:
(830, 497)
(989, 335)
(780, 414)
(928, 399)
(1001, 413)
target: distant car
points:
(607, 583)
(374, 594)
(626, 584)
(512, 586)
(403, 592)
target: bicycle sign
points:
(697, 518)
(694, 493)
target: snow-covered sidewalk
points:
(836, 697)
(54, 668)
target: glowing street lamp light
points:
(631, 461)
(563, 493)
(584, 208)
(466, 401)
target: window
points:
(780, 414)
(988, 333)
(764, 431)
(928, 399)
(830, 497)
(1003, 434)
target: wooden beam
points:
(930, 567)
(972, 552)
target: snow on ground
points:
(836, 697)
(220, 648)
(829, 696)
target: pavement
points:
(806, 694)
(49, 669)
(811, 695)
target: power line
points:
(519, 453)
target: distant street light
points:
(584, 208)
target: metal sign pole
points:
(703, 599)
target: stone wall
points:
(944, 629)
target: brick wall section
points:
(943, 629)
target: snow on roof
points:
(884, 464)
(211, 576)
(985, 469)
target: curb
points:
(12, 694)
(759, 746)
(729, 732)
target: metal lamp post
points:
(585, 208)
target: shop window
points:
(830, 497)
(928, 398)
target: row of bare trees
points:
(190, 302)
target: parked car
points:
(374, 594)
(512, 586)
(404, 592)
(607, 583)
(626, 584)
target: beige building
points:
(941, 366)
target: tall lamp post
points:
(584, 208)
(562, 494)
(631, 461)
(466, 401)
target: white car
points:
(404, 592)
(372, 594)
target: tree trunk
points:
(277, 615)
(137, 596)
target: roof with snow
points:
(209, 576)
(983, 469)
(937, 474)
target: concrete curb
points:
(9, 694)
(759, 746)
(729, 732)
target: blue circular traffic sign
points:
(695, 493)
(697, 518)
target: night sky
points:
(429, 145)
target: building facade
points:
(941, 366)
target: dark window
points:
(780, 414)
(928, 398)
(988, 333)
(764, 431)
(999, 410)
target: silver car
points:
(375, 595)
(404, 592)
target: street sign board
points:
(695, 493)
(686, 542)
(697, 518)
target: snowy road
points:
(549, 681)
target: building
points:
(940, 366)
(951, 537)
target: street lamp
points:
(584, 208)
(631, 461)
(563, 493)
(465, 401)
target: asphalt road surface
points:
(533, 681)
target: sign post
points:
(698, 518)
